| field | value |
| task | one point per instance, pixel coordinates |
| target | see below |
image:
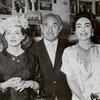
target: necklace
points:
(84, 56)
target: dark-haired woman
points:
(81, 62)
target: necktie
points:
(51, 51)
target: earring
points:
(92, 34)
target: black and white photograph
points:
(49, 50)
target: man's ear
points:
(61, 28)
(41, 26)
(92, 32)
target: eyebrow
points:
(53, 23)
(85, 23)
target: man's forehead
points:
(51, 19)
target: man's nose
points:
(50, 29)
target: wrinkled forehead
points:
(13, 29)
(83, 20)
(51, 19)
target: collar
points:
(81, 48)
(46, 42)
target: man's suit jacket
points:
(55, 82)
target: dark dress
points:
(25, 66)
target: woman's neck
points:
(16, 51)
(85, 44)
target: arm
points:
(35, 81)
(72, 75)
(12, 82)
(38, 76)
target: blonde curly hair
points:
(14, 20)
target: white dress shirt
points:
(51, 49)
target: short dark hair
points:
(88, 15)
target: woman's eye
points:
(78, 26)
(8, 33)
(17, 33)
(55, 26)
(46, 25)
(87, 26)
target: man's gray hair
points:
(52, 15)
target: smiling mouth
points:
(83, 34)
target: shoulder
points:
(38, 43)
(3, 56)
(97, 48)
(64, 42)
(31, 57)
(68, 59)
(35, 46)
(29, 54)
(3, 53)
(70, 49)
(97, 45)
(69, 52)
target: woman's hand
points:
(26, 84)
(12, 82)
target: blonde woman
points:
(19, 70)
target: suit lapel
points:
(45, 53)
(58, 56)
(59, 52)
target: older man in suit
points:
(49, 51)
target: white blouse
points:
(84, 66)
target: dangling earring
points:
(92, 34)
